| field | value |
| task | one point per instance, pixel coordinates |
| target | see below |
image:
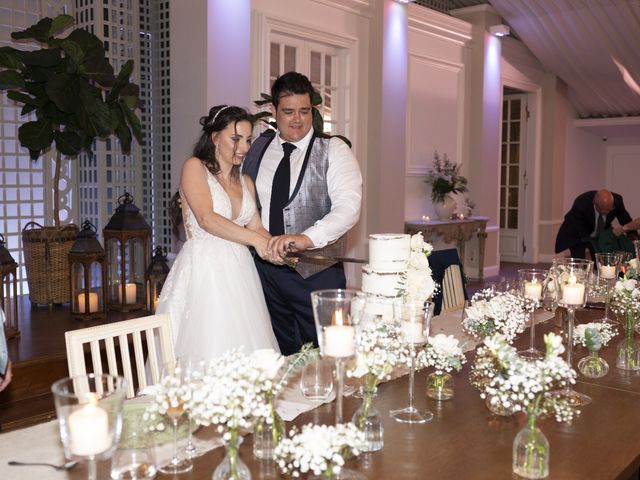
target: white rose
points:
(268, 360)
(418, 261)
(417, 242)
(629, 284)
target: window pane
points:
(515, 110)
(274, 60)
(514, 154)
(504, 132)
(513, 197)
(502, 214)
(289, 58)
(327, 69)
(514, 171)
(515, 132)
(513, 219)
(316, 65)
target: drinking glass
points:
(194, 373)
(316, 381)
(89, 410)
(571, 276)
(135, 456)
(608, 267)
(414, 319)
(335, 321)
(174, 383)
(532, 283)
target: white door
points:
(513, 177)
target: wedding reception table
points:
(462, 441)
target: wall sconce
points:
(499, 30)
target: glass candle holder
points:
(532, 285)
(608, 268)
(571, 281)
(336, 314)
(89, 410)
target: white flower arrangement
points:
(417, 283)
(172, 394)
(496, 312)
(444, 353)
(626, 297)
(520, 385)
(320, 449)
(380, 348)
(594, 335)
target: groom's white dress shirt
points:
(344, 183)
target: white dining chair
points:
(452, 289)
(153, 331)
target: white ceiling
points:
(592, 45)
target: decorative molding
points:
(607, 122)
(430, 22)
(359, 7)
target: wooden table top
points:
(464, 441)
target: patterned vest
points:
(310, 199)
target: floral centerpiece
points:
(593, 336)
(496, 312)
(445, 179)
(380, 349)
(444, 354)
(417, 283)
(319, 449)
(625, 303)
(522, 385)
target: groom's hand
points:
(283, 244)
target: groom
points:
(309, 191)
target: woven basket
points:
(46, 255)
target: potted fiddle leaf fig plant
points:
(70, 89)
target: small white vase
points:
(444, 210)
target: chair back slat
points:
(157, 339)
(452, 289)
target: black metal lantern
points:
(9, 291)
(156, 275)
(88, 275)
(126, 240)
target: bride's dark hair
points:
(217, 120)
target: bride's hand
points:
(261, 249)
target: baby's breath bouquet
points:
(594, 336)
(523, 385)
(319, 449)
(444, 354)
(496, 312)
(625, 303)
(444, 177)
(417, 283)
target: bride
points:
(213, 293)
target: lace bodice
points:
(221, 205)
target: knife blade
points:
(326, 258)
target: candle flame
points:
(572, 279)
(337, 318)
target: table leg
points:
(482, 236)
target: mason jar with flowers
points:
(445, 179)
(625, 303)
(444, 354)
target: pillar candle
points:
(533, 290)
(413, 331)
(93, 302)
(607, 271)
(573, 293)
(339, 341)
(131, 290)
(89, 431)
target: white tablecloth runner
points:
(41, 443)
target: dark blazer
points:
(579, 223)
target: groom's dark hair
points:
(291, 83)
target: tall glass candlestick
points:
(335, 318)
(414, 319)
(570, 275)
(608, 267)
(532, 283)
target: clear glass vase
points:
(628, 353)
(440, 386)
(369, 421)
(593, 366)
(267, 433)
(496, 407)
(531, 452)
(232, 467)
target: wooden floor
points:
(39, 355)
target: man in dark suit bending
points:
(591, 213)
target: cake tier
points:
(389, 252)
(378, 282)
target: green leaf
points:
(124, 135)
(121, 81)
(261, 115)
(10, 58)
(133, 121)
(37, 90)
(129, 101)
(102, 119)
(51, 113)
(316, 99)
(84, 119)
(39, 31)
(130, 90)
(88, 42)
(10, 80)
(68, 143)
(37, 74)
(36, 135)
(73, 51)
(34, 154)
(27, 109)
(260, 103)
(60, 23)
(22, 98)
(63, 89)
(318, 122)
(48, 57)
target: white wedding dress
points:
(213, 293)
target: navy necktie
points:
(280, 191)
(600, 224)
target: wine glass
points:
(335, 318)
(89, 409)
(571, 276)
(608, 267)
(173, 387)
(414, 319)
(193, 372)
(532, 284)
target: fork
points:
(65, 467)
